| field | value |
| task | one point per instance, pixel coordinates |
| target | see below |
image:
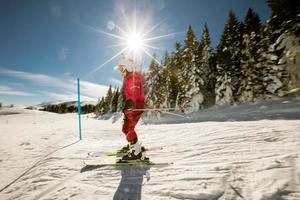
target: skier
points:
(133, 99)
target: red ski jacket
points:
(133, 89)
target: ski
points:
(110, 153)
(118, 154)
(91, 166)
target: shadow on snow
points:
(130, 186)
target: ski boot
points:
(136, 153)
(126, 149)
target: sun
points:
(135, 42)
(132, 41)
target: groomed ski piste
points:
(249, 151)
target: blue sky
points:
(45, 45)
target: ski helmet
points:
(127, 62)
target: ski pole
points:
(178, 115)
(181, 109)
(162, 110)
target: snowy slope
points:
(276, 109)
(221, 159)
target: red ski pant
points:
(131, 118)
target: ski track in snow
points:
(253, 160)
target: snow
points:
(287, 41)
(275, 85)
(224, 94)
(273, 57)
(282, 61)
(196, 102)
(249, 151)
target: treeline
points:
(252, 60)
(112, 102)
(7, 106)
(69, 107)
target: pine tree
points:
(282, 10)
(275, 79)
(102, 106)
(62, 108)
(224, 90)
(228, 62)
(205, 69)
(251, 85)
(173, 81)
(190, 77)
(284, 39)
(164, 81)
(71, 109)
(120, 103)
(252, 22)
(178, 80)
(99, 106)
(151, 83)
(108, 100)
(114, 102)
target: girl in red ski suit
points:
(134, 99)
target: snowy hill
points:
(224, 154)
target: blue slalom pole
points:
(79, 108)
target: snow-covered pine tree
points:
(282, 11)
(193, 98)
(114, 101)
(150, 83)
(163, 85)
(173, 81)
(178, 80)
(228, 62)
(107, 101)
(282, 31)
(120, 103)
(205, 69)
(97, 107)
(291, 43)
(99, 110)
(251, 85)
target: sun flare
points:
(134, 43)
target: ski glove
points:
(128, 104)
